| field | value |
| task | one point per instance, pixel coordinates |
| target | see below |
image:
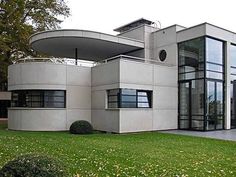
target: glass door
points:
(233, 104)
(191, 105)
(214, 117)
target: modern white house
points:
(143, 79)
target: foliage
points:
(141, 154)
(81, 127)
(21, 18)
(33, 165)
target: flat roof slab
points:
(90, 45)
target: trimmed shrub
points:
(32, 165)
(81, 127)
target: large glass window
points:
(129, 98)
(201, 88)
(191, 59)
(214, 107)
(233, 85)
(214, 59)
(39, 98)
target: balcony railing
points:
(136, 59)
(91, 63)
(56, 61)
(51, 60)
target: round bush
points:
(33, 166)
(81, 127)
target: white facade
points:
(134, 75)
(75, 80)
(86, 88)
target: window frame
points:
(25, 98)
(120, 98)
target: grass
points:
(143, 154)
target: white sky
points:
(106, 15)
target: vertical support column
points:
(227, 122)
(76, 56)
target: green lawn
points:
(143, 154)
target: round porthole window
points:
(162, 55)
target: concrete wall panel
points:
(106, 120)
(78, 97)
(105, 74)
(136, 72)
(135, 120)
(165, 119)
(37, 119)
(99, 99)
(191, 33)
(165, 76)
(78, 75)
(164, 37)
(137, 33)
(37, 76)
(165, 97)
(43, 73)
(219, 33)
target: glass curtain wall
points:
(201, 84)
(233, 85)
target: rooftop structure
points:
(133, 24)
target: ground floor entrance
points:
(201, 104)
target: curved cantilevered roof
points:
(90, 45)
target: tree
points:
(21, 18)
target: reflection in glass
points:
(233, 85)
(214, 51)
(233, 55)
(191, 53)
(184, 122)
(184, 98)
(219, 98)
(129, 98)
(197, 97)
(214, 75)
(214, 67)
(197, 124)
(210, 98)
(233, 103)
(39, 98)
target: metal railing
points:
(91, 63)
(65, 61)
(137, 59)
(51, 60)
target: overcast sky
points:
(106, 15)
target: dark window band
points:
(39, 98)
(129, 98)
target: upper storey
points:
(137, 39)
(87, 45)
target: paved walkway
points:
(222, 134)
